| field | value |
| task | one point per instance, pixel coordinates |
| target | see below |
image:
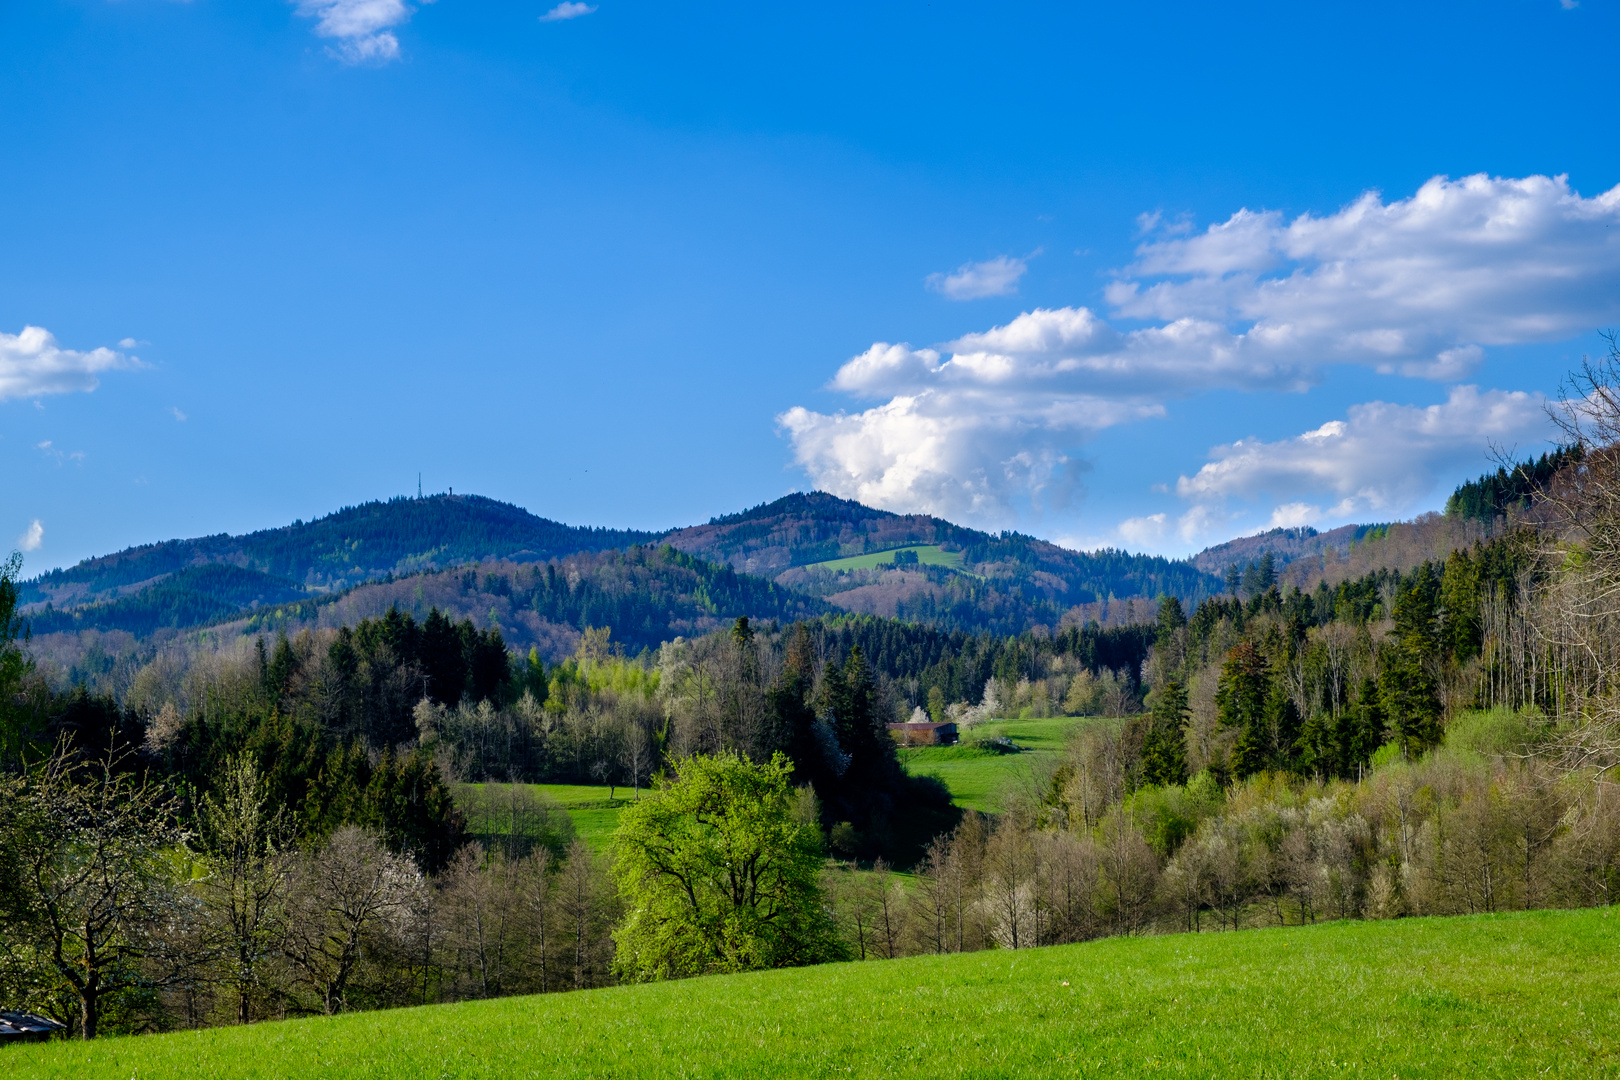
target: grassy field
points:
(1535, 994)
(594, 809)
(931, 555)
(595, 815)
(978, 777)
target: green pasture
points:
(593, 808)
(594, 813)
(929, 555)
(1493, 996)
(977, 778)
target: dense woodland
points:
(282, 823)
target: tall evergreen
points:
(1164, 744)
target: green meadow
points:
(929, 555)
(1527, 994)
(593, 809)
(978, 777)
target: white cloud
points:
(565, 11)
(178, 415)
(32, 363)
(1144, 531)
(1382, 459)
(970, 455)
(1416, 285)
(973, 281)
(1419, 287)
(33, 536)
(1293, 515)
(361, 28)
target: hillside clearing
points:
(1482, 996)
(978, 777)
(929, 555)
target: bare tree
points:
(347, 895)
(636, 755)
(584, 906)
(245, 892)
(96, 907)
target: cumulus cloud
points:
(973, 281)
(362, 29)
(1380, 459)
(1418, 287)
(566, 11)
(32, 363)
(33, 536)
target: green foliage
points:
(960, 663)
(717, 874)
(1241, 704)
(1164, 743)
(1494, 494)
(1410, 694)
(14, 662)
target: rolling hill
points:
(355, 544)
(969, 580)
(1490, 996)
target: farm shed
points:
(26, 1027)
(916, 733)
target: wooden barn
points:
(16, 1027)
(924, 733)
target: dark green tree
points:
(1410, 697)
(1240, 702)
(1164, 744)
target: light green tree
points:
(718, 873)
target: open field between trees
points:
(1535, 993)
(594, 809)
(977, 777)
(929, 555)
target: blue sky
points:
(1102, 273)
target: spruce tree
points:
(1164, 745)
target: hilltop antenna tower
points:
(418, 485)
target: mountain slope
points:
(1001, 583)
(355, 544)
(1004, 583)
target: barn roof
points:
(15, 1025)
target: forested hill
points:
(355, 544)
(963, 580)
(798, 532)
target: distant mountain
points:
(1003, 582)
(645, 595)
(195, 596)
(1285, 545)
(356, 544)
(772, 557)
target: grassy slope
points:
(594, 815)
(1489, 996)
(930, 555)
(977, 777)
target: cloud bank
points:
(33, 364)
(1377, 461)
(985, 425)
